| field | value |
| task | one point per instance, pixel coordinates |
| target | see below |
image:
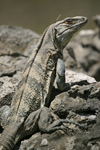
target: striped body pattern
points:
(36, 83)
(34, 89)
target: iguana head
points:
(66, 28)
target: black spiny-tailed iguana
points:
(34, 88)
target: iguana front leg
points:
(46, 121)
(60, 77)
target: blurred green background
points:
(38, 14)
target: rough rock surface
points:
(79, 103)
(16, 44)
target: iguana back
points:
(35, 83)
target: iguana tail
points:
(8, 137)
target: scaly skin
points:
(35, 86)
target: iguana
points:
(29, 105)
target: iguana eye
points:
(69, 20)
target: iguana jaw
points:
(67, 27)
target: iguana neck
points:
(50, 36)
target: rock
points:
(15, 40)
(76, 77)
(95, 147)
(81, 105)
(29, 144)
(7, 90)
(56, 141)
(3, 114)
(70, 143)
(44, 142)
(79, 99)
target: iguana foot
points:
(74, 122)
